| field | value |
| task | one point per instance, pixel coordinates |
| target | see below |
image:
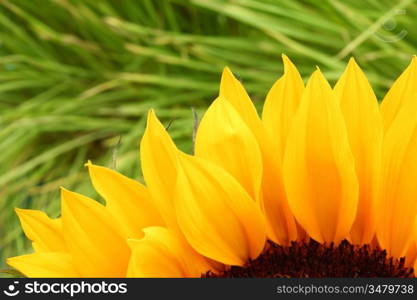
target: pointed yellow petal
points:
(319, 172)
(224, 139)
(163, 253)
(128, 200)
(159, 167)
(281, 226)
(93, 236)
(281, 104)
(402, 90)
(364, 125)
(39, 228)
(45, 264)
(397, 208)
(235, 93)
(216, 215)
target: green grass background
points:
(78, 76)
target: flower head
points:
(325, 173)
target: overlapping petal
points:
(44, 232)
(224, 139)
(398, 205)
(233, 90)
(164, 253)
(45, 264)
(281, 103)
(281, 226)
(94, 237)
(128, 200)
(401, 91)
(216, 215)
(319, 169)
(159, 166)
(364, 126)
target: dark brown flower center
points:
(311, 259)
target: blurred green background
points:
(77, 77)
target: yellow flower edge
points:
(327, 164)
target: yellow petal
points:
(45, 264)
(159, 167)
(364, 125)
(93, 236)
(37, 248)
(224, 139)
(128, 200)
(281, 104)
(397, 208)
(319, 172)
(281, 226)
(46, 233)
(216, 215)
(162, 253)
(402, 90)
(234, 92)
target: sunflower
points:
(322, 185)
